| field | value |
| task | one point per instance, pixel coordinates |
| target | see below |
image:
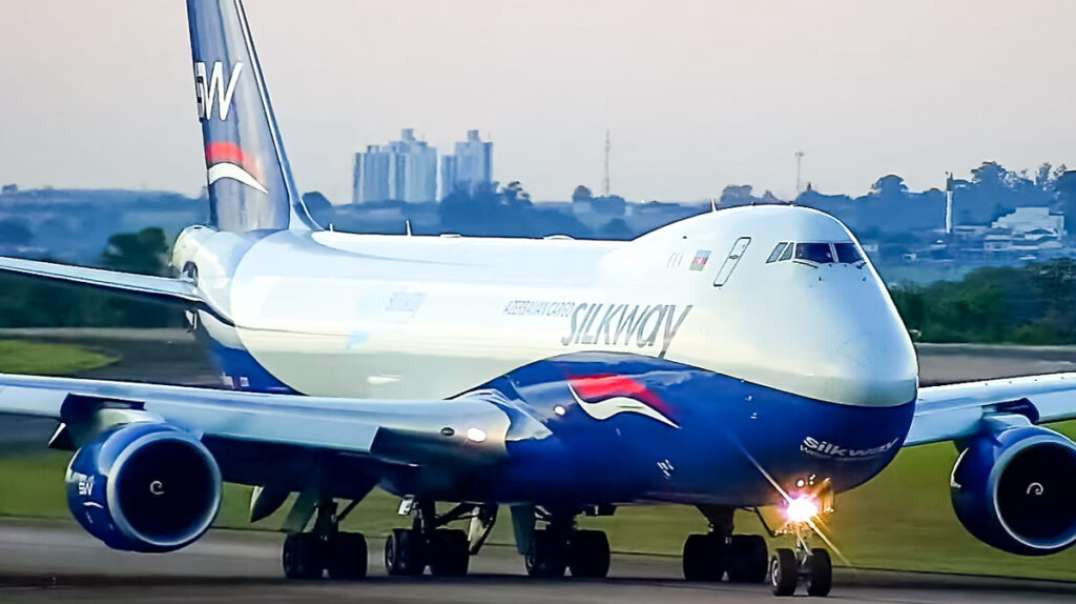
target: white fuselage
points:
(379, 316)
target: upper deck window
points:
(819, 253)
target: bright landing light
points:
(476, 435)
(801, 509)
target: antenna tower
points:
(605, 181)
(799, 172)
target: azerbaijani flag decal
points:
(700, 260)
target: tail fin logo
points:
(227, 160)
(210, 88)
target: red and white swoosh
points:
(603, 410)
(234, 172)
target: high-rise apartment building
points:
(402, 170)
(471, 165)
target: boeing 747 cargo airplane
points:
(741, 358)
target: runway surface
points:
(45, 562)
(59, 562)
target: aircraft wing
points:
(956, 411)
(467, 432)
(146, 286)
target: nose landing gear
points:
(812, 566)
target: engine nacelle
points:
(1016, 490)
(146, 486)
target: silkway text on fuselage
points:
(643, 326)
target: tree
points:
(990, 174)
(1043, 178)
(889, 187)
(15, 232)
(319, 206)
(142, 252)
(514, 194)
(617, 229)
(1065, 185)
(582, 193)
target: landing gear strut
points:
(712, 556)
(445, 551)
(811, 565)
(326, 548)
(560, 546)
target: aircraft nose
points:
(871, 367)
(832, 335)
(862, 353)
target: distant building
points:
(403, 170)
(471, 165)
(1026, 219)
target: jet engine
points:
(1015, 490)
(145, 486)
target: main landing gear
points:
(720, 553)
(326, 548)
(561, 546)
(447, 552)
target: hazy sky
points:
(697, 94)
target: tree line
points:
(1031, 304)
(31, 302)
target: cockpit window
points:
(847, 252)
(788, 252)
(819, 253)
(776, 253)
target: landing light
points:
(477, 435)
(801, 509)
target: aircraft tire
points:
(403, 553)
(784, 572)
(302, 557)
(546, 557)
(588, 554)
(347, 557)
(748, 557)
(449, 553)
(703, 558)
(819, 573)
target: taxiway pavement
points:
(58, 562)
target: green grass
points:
(44, 358)
(900, 520)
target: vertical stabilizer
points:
(250, 182)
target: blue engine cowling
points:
(146, 487)
(1016, 490)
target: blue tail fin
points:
(250, 182)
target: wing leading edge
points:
(471, 430)
(957, 411)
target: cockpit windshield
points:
(814, 252)
(817, 252)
